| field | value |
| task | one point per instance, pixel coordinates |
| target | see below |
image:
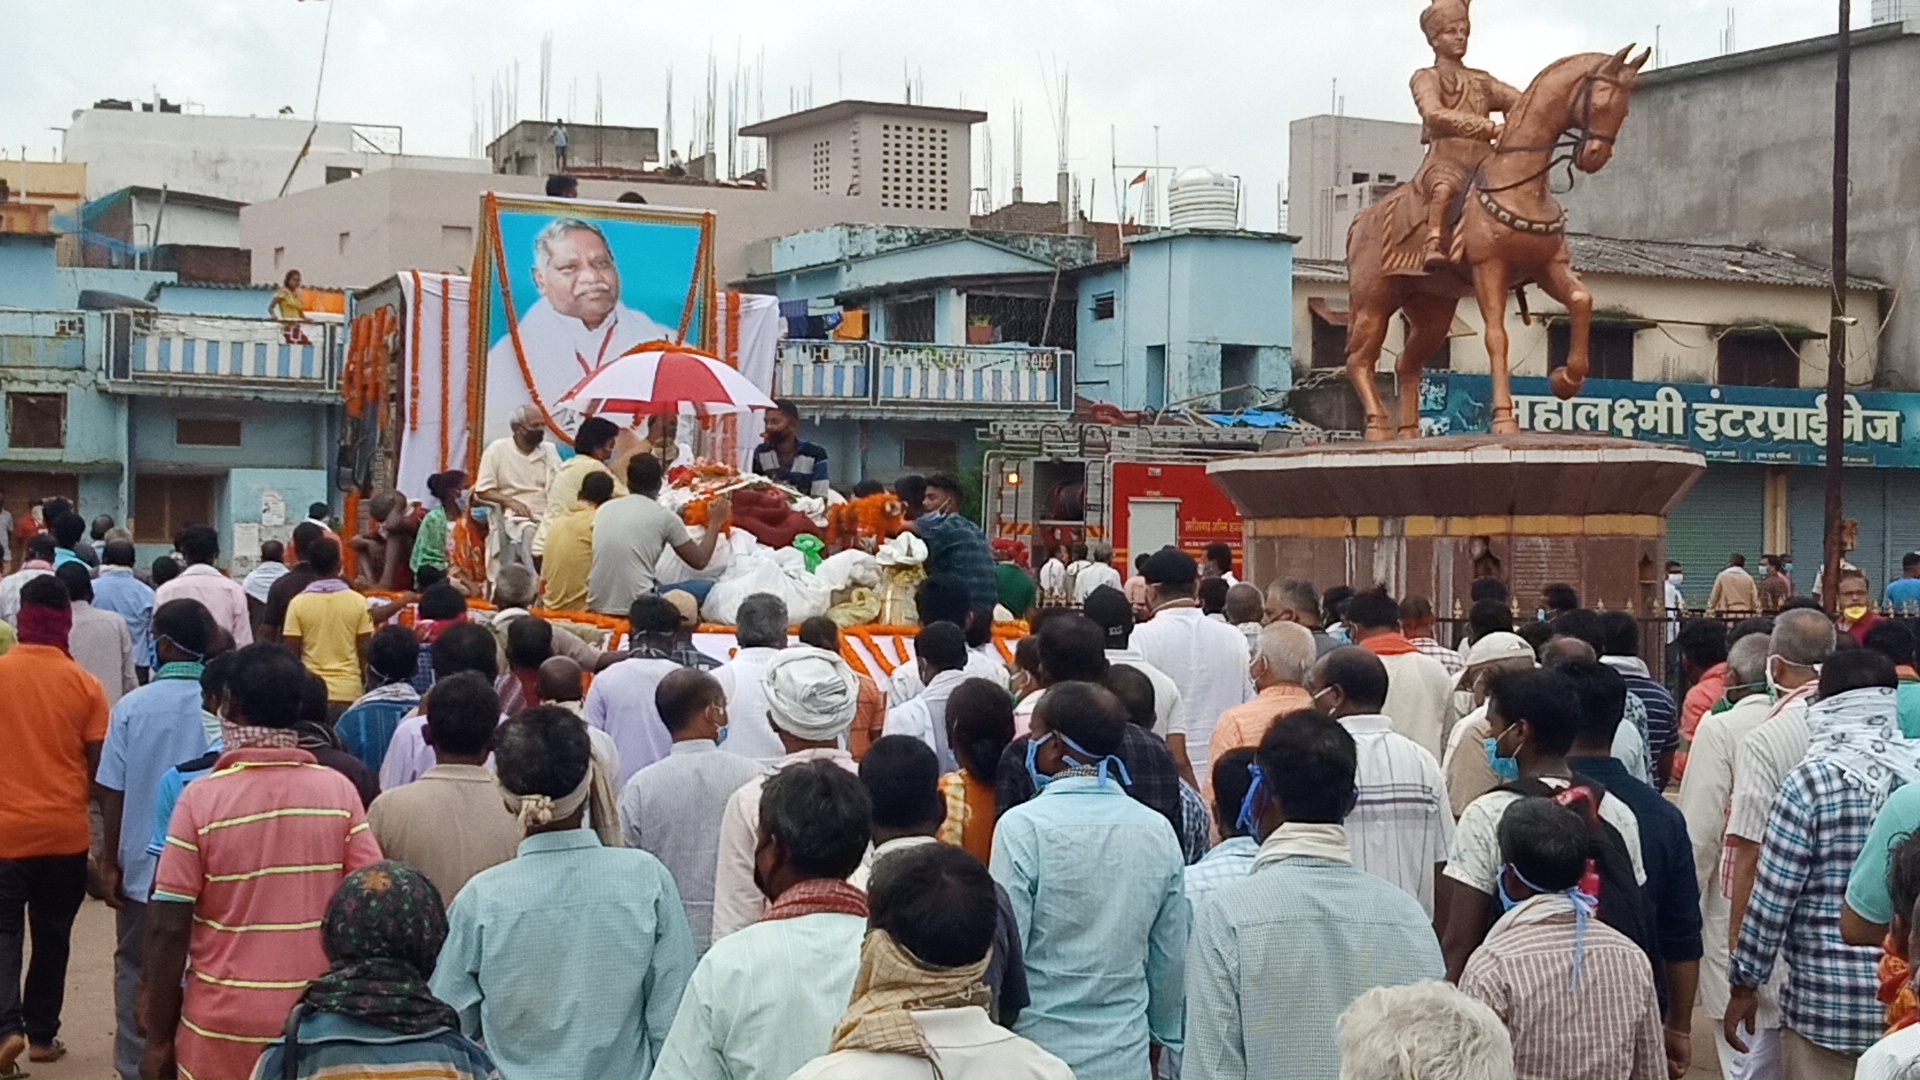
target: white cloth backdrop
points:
(429, 301)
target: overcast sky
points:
(1219, 78)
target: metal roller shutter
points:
(1881, 500)
(1724, 513)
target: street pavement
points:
(87, 1025)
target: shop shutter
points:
(1883, 501)
(1724, 513)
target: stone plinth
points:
(1425, 517)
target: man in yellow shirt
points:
(328, 626)
(568, 561)
(599, 446)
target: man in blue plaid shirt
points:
(1816, 829)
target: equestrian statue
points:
(1478, 218)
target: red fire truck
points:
(1139, 487)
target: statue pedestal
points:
(1424, 517)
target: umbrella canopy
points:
(659, 378)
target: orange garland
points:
(867, 635)
(413, 339)
(446, 368)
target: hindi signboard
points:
(1757, 425)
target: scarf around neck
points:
(818, 896)
(891, 986)
(253, 737)
(326, 587)
(1298, 839)
(1859, 732)
(1390, 644)
(45, 626)
(383, 932)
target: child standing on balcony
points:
(286, 307)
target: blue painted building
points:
(902, 343)
(161, 418)
(1187, 314)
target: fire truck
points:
(1139, 487)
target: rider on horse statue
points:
(1456, 104)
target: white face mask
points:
(1675, 579)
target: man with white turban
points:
(811, 697)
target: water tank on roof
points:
(1203, 198)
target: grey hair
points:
(515, 586)
(1297, 596)
(1428, 1030)
(761, 622)
(118, 532)
(525, 414)
(1289, 650)
(1100, 551)
(1747, 660)
(1243, 603)
(1802, 637)
(554, 230)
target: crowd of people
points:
(1190, 827)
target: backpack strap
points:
(290, 1043)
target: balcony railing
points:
(941, 376)
(210, 352)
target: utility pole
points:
(1837, 331)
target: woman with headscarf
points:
(372, 1014)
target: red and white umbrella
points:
(659, 377)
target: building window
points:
(457, 239)
(36, 421)
(1339, 202)
(337, 173)
(190, 431)
(1760, 357)
(1609, 348)
(1387, 178)
(279, 256)
(1360, 178)
(1329, 339)
(914, 167)
(940, 455)
(1103, 305)
(163, 505)
(345, 237)
(910, 320)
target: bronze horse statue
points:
(1508, 233)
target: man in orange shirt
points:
(53, 724)
(1284, 654)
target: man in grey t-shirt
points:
(629, 534)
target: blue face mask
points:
(1039, 778)
(720, 737)
(1506, 768)
(1250, 805)
(1507, 903)
(479, 513)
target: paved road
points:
(88, 1024)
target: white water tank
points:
(1203, 198)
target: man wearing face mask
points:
(1676, 602)
(672, 807)
(812, 696)
(1802, 640)
(1105, 981)
(515, 473)
(1855, 616)
(1705, 796)
(1304, 906)
(1533, 718)
(1401, 824)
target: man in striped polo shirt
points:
(254, 852)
